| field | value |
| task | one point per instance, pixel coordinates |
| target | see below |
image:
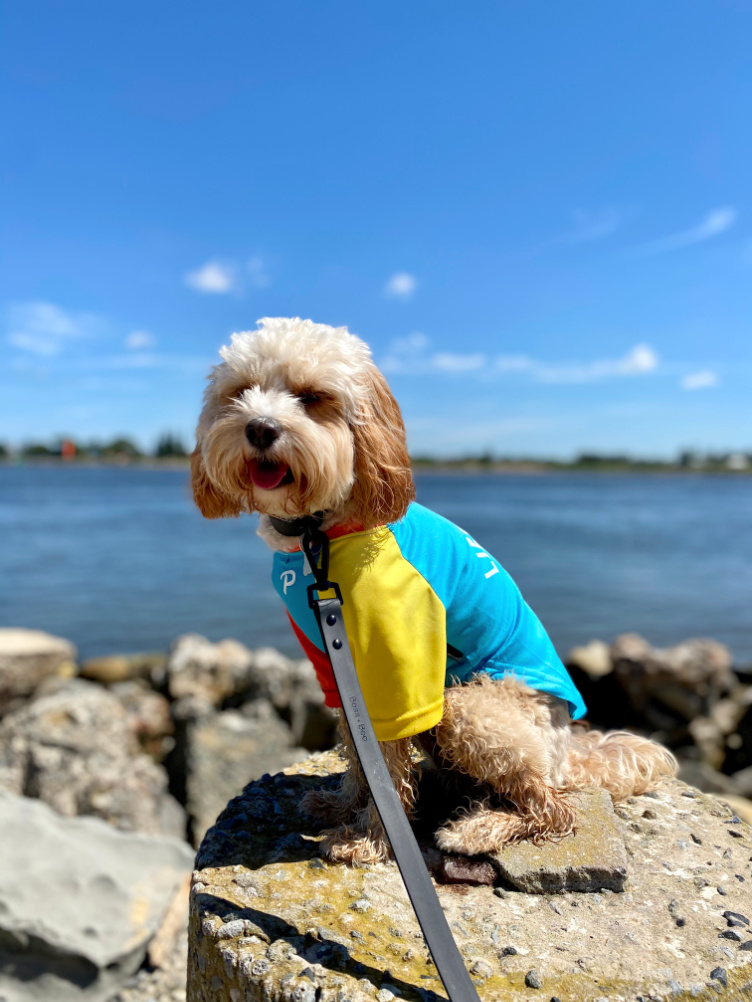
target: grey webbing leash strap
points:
(420, 889)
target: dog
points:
(297, 421)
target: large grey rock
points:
(686, 679)
(270, 920)
(27, 658)
(225, 751)
(76, 750)
(592, 859)
(79, 902)
(293, 690)
(210, 672)
(227, 675)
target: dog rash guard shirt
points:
(425, 607)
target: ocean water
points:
(118, 559)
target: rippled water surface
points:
(120, 560)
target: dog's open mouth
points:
(269, 475)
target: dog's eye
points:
(308, 397)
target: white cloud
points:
(410, 356)
(412, 344)
(445, 361)
(144, 360)
(715, 223)
(591, 226)
(216, 277)
(639, 360)
(703, 380)
(38, 345)
(258, 273)
(400, 286)
(137, 340)
(43, 328)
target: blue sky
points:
(539, 215)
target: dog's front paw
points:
(349, 844)
(481, 829)
(486, 829)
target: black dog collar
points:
(297, 526)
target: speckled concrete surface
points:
(271, 920)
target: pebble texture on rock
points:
(79, 902)
(270, 920)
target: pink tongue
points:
(267, 475)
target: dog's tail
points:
(620, 762)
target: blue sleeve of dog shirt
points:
(490, 627)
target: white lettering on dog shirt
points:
(481, 554)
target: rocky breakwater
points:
(689, 697)
(130, 758)
(662, 907)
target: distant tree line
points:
(168, 446)
(687, 459)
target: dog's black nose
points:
(262, 432)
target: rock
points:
(259, 865)
(79, 902)
(687, 679)
(742, 782)
(225, 751)
(739, 755)
(75, 750)
(533, 979)
(293, 690)
(123, 667)
(149, 717)
(174, 920)
(481, 968)
(592, 859)
(739, 805)
(705, 778)
(593, 658)
(211, 672)
(27, 658)
(228, 675)
(463, 870)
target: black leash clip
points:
(314, 537)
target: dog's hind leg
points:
(364, 840)
(512, 742)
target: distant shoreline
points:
(462, 467)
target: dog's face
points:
(297, 419)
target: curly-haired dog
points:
(298, 420)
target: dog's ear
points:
(383, 479)
(210, 502)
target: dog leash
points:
(417, 881)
